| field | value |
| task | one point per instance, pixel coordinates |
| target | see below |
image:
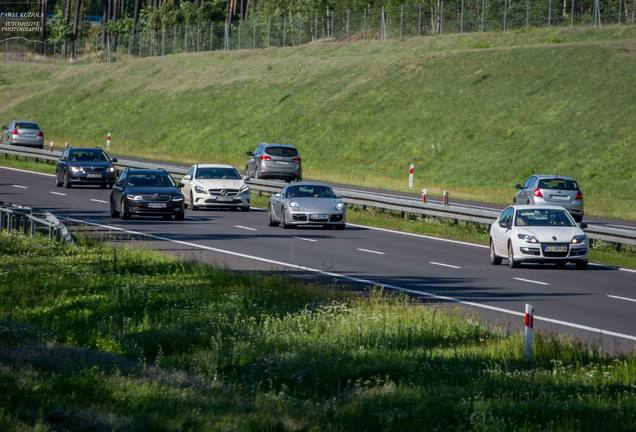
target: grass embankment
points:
(111, 338)
(476, 113)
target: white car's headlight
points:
(177, 198)
(77, 169)
(528, 238)
(134, 197)
(579, 239)
(199, 189)
(294, 205)
(339, 206)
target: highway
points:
(596, 306)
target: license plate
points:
(282, 163)
(156, 205)
(224, 199)
(556, 248)
(29, 135)
(93, 175)
(560, 197)
(319, 217)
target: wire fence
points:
(263, 31)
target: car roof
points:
(145, 171)
(552, 176)
(86, 148)
(534, 207)
(211, 165)
(25, 121)
(307, 183)
(278, 145)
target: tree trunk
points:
(67, 17)
(76, 26)
(43, 23)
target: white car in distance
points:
(546, 234)
(215, 185)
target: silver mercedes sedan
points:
(307, 203)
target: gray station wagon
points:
(274, 161)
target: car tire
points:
(67, 182)
(113, 213)
(283, 224)
(512, 263)
(494, 259)
(581, 265)
(124, 211)
(179, 216)
(58, 183)
(270, 217)
(192, 206)
(245, 208)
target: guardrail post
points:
(528, 322)
(445, 197)
(424, 196)
(9, 222)
(50, 233)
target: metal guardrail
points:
(16, 218)
(365, 199)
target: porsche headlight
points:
(199, 189)
(339, 206)
(528, 238)
(579, 239)
(134, 197)
(294, 205)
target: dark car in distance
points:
(145, 192)
(86, 166)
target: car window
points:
(122, 178)
(258, 150)
(281, 151)
(218, 173)
(26, 125)
(558, 184)
(88, 156)
(506, 216)
(528, 182)
(190, 171)
(309, 191)
(150, 179)
(543, 217)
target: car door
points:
(118, 190)
(528, 187)
(251, 163)
(277, 203)
(500, 231)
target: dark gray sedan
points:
(23, 133)
(307, 203)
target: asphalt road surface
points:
(597, 306)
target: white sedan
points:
(215, 185)
(538, 234)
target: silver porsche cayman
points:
(307, 203)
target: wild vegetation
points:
(98, 337)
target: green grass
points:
(27, 164)
(107, 338)
(476, 113)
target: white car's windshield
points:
(543, 217)
(217, 173)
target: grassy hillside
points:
(124, 339)
(476, 113)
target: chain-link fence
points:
(263, 31)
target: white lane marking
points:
(362, 281)
(531, 281)
(626, 270)
(418, 235)
(20, 186)
(27, 171)
(99, 201)
(306, 239)
(371, 251)
(444, 265)
(622, 298)
(245, 228)
(58, 193)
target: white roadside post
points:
(109, 140)
(411, 171)
(445, 197)
(528, 322)
(424, 196)
(51, 146)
